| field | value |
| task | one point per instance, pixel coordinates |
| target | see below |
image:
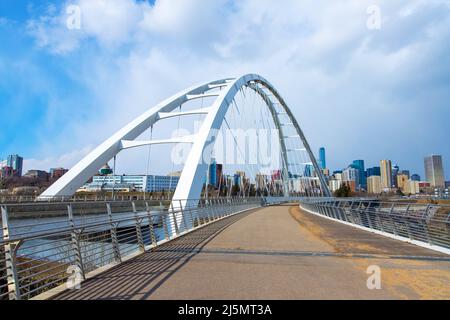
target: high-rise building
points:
(386, 174)
(16, 163)
(351, 175)
(375, 171)
(213, 173)
(406, 173)
(415, 177)
(374, 185)
(334, 184)
(402, 181)
(414, 187)
(359, 165)
(219, 175)
(395, 170)
(239, 177)
(322, 158)
(309, 170)
(434, 171)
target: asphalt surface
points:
(274, 253)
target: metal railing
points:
(44, 253)
(11, 199)
(428, 224)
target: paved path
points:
(275, 253)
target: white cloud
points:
(320, 55)
(66, 160)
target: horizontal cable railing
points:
(428, 224)
(38, 254)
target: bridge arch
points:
(191, 181)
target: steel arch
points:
(194, 171)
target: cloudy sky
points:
(361, 91)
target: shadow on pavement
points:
(140, 277)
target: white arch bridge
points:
(295, 150)
(95, 237)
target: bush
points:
(343, 192)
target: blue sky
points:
(361, 93)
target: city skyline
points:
(104, 75)
(422, 173)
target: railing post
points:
(336, 212)
(208, 211)
(427, 228)
(10, 257)
(150, 225)
(164, 222)
(175, 222)
(183, 217)
(222, 207)
(191, 215)
(114, 242)
(366, 212)
(408, 226)
(378, 215)
(214, 210)
(138, 223)
(394, 228)
(329, 211)
(75, 241)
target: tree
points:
(343, 192)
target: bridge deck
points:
(274, 253)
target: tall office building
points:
(213, 173)
(359, 165)
(16, 163)
(386, 174)
(402, 182)
(308, 171)
(395, 170)
(406, 173)
(350, 177)
(219, 175)
(375, 171)
(434, 171)
(322, 158)
(374, 185)
(415, 177)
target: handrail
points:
(424, 224)
(33, 263)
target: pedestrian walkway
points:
(276, 252)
